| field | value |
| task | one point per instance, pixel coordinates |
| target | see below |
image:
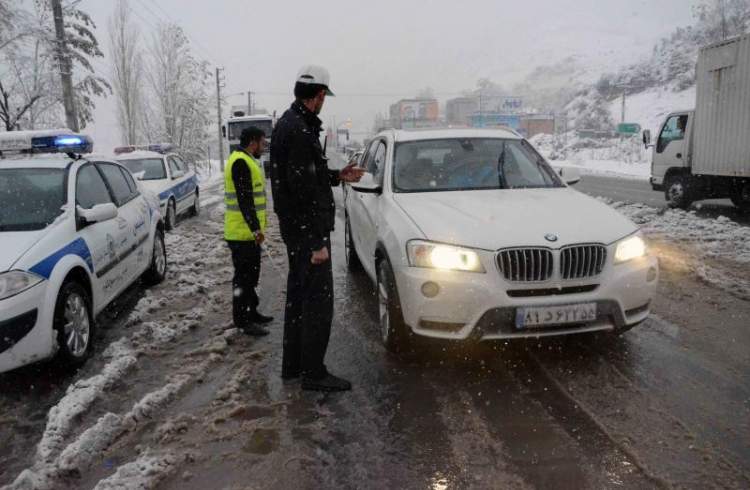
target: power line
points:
(193, 40)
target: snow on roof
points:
(448, 133)
(138, 154)
(46, 160)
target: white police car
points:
(166, 175)
(75, 232)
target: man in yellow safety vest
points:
(244, 228)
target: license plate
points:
(555, 315)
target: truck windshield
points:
(235, 128)
(469, 164)
(147, 168)
(30, 198)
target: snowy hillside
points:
(650, 107)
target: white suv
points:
(75, 232)
(468, 233)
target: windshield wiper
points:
(500, 169)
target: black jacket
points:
(243, 184)
(301, 180)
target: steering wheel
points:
(469, 174)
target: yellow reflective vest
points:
(235, 227)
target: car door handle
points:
(679, 155)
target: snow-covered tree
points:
(127, 71)
(179, 93)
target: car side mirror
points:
(368, 185)
(178, 174)
(140, 175)
(570, 176)
(97, 214)
(646, 138)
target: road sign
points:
(628, 128)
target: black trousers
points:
(308, 314)
(246, 260)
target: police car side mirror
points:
(177, 174)
(97, 214)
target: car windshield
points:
(147, 168)
(470, 164)
(235, 128)
(30, 198)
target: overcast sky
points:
(383, 50)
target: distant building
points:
(459, 110)
(533, 124)
(415, 113)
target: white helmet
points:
(315, 74)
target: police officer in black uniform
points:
(303, 201)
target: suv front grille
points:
(582, 261)
(526, 264)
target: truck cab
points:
(238, 122)
(671, 150)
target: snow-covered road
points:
(175, 398)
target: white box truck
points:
(705, 153)
(239, 121)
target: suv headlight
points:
(630, 248)
(14, 282)
(447, 257)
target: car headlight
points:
(630, 248)
(14, 282)
(447, 257)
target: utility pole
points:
(66, 67)
(218, 116)
(250, 108)
(622, 119)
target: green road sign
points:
(628, 128)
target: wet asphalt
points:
(664, 405)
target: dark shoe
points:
(329, 382)
(255, 331)
(260, 319)
(290, 374)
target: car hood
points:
(15, 244)
(495, 219)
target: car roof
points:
(49, 160)
(139, 154)
(400, 135)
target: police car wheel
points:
(158, 269)
(171, 219)
(73, 323)
(395, 334)
(196, 209)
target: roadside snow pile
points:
(146, 472)
(609, 156)
(719, 238)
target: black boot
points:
(254, 331)
(329, 382)
(257, 318)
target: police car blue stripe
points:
(78, 247)
(180, 190)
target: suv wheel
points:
(395, 334)
(196, 209)
(352, 259)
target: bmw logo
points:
(550, 237)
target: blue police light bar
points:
(45, 141)
(161, 147)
